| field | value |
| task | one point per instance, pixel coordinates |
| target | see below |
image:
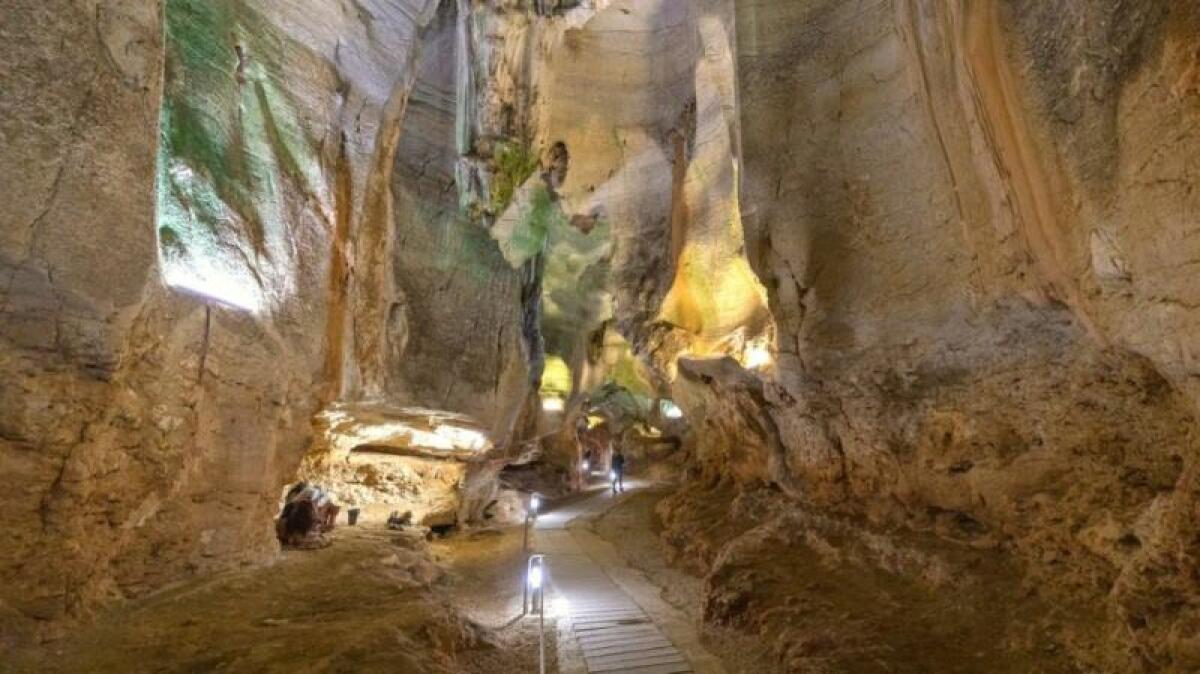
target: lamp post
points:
(535, 502)
(535, 598)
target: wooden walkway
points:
(613, 633)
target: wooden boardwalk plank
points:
(676, 660)
(639, 656)
(617, 649)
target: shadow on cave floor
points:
(374, 601)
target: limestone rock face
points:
(193, 267)
(382, 460)
(454, 327)
(654, 141)
(972, 222)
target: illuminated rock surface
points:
(382, 460)
(920, 277)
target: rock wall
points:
(653, 141)
(192, 268)
(974, 221)
(455, 325)
(63, 323)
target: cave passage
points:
(647, 336)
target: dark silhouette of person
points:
(618, 470)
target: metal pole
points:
(537, 599)
(525, 607)
(541, 609)
(527, 601)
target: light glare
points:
(756, 356)
(214, 285)
(443, 437)
(559, 606)
(462, 437)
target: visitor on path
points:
(308, 512)
(618, 471)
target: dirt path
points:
(378, 601)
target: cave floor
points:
(808, 615)
(612, 618)
(374, 601)
(379, 601)
(633, 529)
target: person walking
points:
(618, 471)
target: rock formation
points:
(972, 220)
(198, 260)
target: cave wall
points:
(654, 145)
(79, 131)
(456, 326)
(145, 427)
(974, 221)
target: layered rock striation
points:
(972, 220)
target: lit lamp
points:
(535, 577)
(535, 598)
(531, 514)
(586, 467)
(757, 356)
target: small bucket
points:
(352, 515)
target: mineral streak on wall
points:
(232, 146)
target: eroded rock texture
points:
(161, 370)
(973, 221)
